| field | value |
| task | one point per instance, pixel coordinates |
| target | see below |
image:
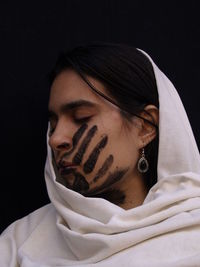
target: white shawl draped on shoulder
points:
(77, 231)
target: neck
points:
(133, 190)
(128, 193)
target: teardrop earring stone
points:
(143, 165)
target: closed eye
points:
(82, 120)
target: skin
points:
(90, 132)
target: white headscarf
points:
(78, 231)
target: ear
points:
(147, 131)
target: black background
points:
(31, 36)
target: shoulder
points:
(16, 234)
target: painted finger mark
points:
(79, 155)
(112, 178)
(77, 136)
(91, 162)
(102, 171)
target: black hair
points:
(128, 77)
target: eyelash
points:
(82, 120)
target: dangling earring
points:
(143, 164)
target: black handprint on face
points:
(79, 155)
(77, 136)
(80, 184)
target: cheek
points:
(120, 152)
(124, 146)
(122, 141)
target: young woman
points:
(123, 193)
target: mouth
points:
(65, 168)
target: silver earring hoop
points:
(143, 164)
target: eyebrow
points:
(72, 105)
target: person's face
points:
(93, 150)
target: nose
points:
(61, 139)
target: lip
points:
(65, 167)
(62, 163)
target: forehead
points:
(68, 86)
